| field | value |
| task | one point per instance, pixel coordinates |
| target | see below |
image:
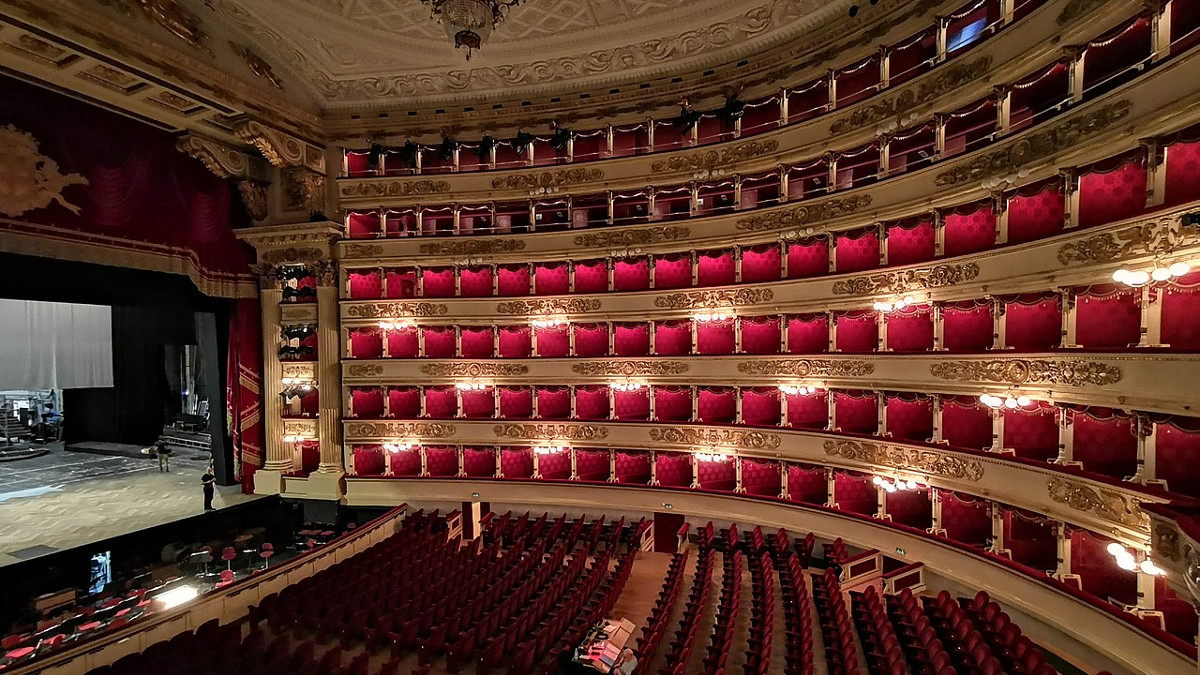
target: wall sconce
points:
(712, 316)
(626, 386)
(549, 322)
(397, 447)
(470, 386)
(1127, 560)
(797, 389)
(713, 457)
(550, 450)
(884, 306)
(1009, 401)
(898, 484)
(1141, 277)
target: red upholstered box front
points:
(760, 335)
(553, 342)
(551, 278)
(672, 403)
(672, 338)
(808, 334)
(477, 342)
(591, 402)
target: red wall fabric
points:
(714, 268)
(633, 467)
(966, 519)
(857, 251)
(966, 423)
(1035, 212)
(673, 469)
(807, 484)
(1106, 196)
(590, 339)
(516, 402)
(591, 465)
(760, 263)
(479, 462)
(404, 402)
(631, 339)
(1033, 434)
(512, 280)
(855, 493)
(1033, 325)
(672, 270)
(808, 334)
(1108, 321)
(910, 507)
(971, 231)
(809, 411)
(1106, 443)
(672, 404)
(1098, 571)
(475, 283)
(807, 259)
(243, 387)
(553, 342)
(437, 282)
(910, 420)
(856, 414)
(760, 477)
(477, 342)
(967, 328)
(591, 402)
(1181, 313)
(554, 403)
(1183, 172)
(1177, 452)
(672, 338)
(403, 344)
(716, 337)
(856, 333)
(910, 330)
(906, 245)
(760, 335)
(551, 279)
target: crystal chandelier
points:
(469, 22)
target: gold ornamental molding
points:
(549, 306)
(548, 179)
(709, 299)
(299, 312)
(1037, 146)
(750, 440)
(551, 432)
(807, 368)
(473, 247)
(281, 149)
(32, 180)
(629, 368)
(805, 215)
(1105, 504)
(300, 371)
(394, 188)
(1159, 236)
(1029, 371)
(932, 462)
(363, 250)
(364, 370)
(903, 281)
(635, 237)
(953, 77)
(474, 369)
(224, 161)
(292, 255)
(395, 310)
(306, 428)
(715, 159)
(415, 430)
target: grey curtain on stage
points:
(53, 345)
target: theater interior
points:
(654, 337)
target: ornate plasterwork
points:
(1029, 371)
(902, 281)
(364, 370)
(303, 189)
(714, 438)
(549, 306)
(474, 369)
(551, 432)
(281, 149)
(807, 368)
(715, 159)
(805, 215)
(223, 160)
(629, 368)
(548, 179)
(413, 430)
(257, 64)
(1104, 503)
(933, 462)
(178, 20)
(632, 237)
(396, 310)
(31, 179)
(473, 247)
(1157, 236)
(1036, 146)
(300, 371)
(394, 188)
(362, 250)
(296, 313)
(954, 76)
(1166, 541)
(738, 297)
(306, 428)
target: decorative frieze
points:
(1028, 371)
(1036, 146)
(548, 179)
(300, 371)
(395, 310)
(1157, 236)
(394, 188)
(306, 428)
(362, 250)
(714, 438)
(473, 247)
(364, 370)
(299, 313)
(474, 369)
(715, 159)
(954, 76)
(932, 462)
(1101, 502)
(549, 306)
(738, 297)
(551, 432)
(629, 368)
(632, 237)
(805, 215)
(807, 368)
(903, 281)
(413, 430)
(280, 148)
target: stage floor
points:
(66, 499)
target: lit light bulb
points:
(1148, 567)
(1115, 549)
(1179, 269)
(1127, 562)
(889, 488)
(1160, 274)
(1137, 278)
(1010, 403)
(1119, 275)
(1023, 401)
(877, 480)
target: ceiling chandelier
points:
(469, 22)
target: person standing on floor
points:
(208, 481)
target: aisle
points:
(659, 659)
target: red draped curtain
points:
(966, 519)
(806, 483)
(808, 334)
(910, 241)
(1036, 211)
(1107, 317)
(243, 387)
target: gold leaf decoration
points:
(31, 180)
(1029, 371)
(394, 188)
(956, 75)
(395, 310)
(474, 369)
(413, 430)
(362, 250)
(1159, 236)
(473, 247)
(364, 370)
(708, 299)
(902, 281)
(805, 215)
(300, 371)
(549, 306)
(714, 159)
(632, 237)
(807, 368)
(547, 179)
(551, 432)
(1037, 146)
(1102, 502)
(933, 462)
(629, 368)
(755, 440)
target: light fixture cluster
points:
(397, 447)
(712, 316)
(1141, 277)
(550, 322)
(470, 386)
(708, 173)
(1128, 561)
(886, 306)
(713, 457)
(545, 190)
(290, 438)
(797, 389)
(298, 383)
(395, 324)
(626, 386)
(898, 484)
(550, 450)
(1007, 401)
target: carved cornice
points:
(715, 159)
(805, 215)
(395, 310)
(729, 438)
(630, 368)
(633, 237)
(1029, 371)
(1037, 146)
(1157, 236)
(281, 149)
(474, 369)
(709, 299)
(225, 161)
(473, 247)
(364, 370)
(807, 368)
(954, 76)
(933, 462)
(414, 430)
(549, 306)
(1104, 503)
(902, 281)
(551, 432)
(548, 179)
(394, 188)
